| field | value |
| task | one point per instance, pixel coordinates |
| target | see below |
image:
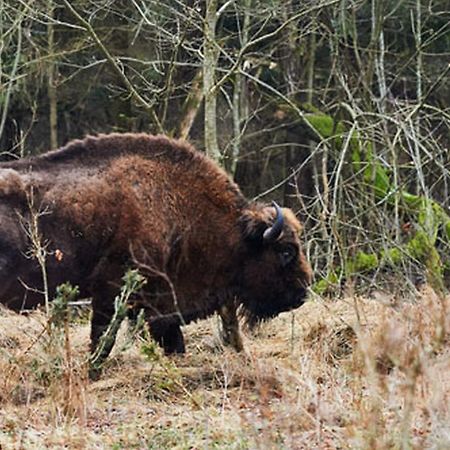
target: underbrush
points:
(355, 372)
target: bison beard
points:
(133, 200)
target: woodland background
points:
(338, 109)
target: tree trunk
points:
(190, 107)
(52, 95)
(209, 70)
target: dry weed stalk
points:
(56, 361)
(38, 245)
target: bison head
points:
(275, 274)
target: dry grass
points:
(350, 373)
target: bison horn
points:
(273, 233)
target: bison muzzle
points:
(108, 203)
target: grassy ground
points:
(349, 373)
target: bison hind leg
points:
(168, 335)
(230, 333)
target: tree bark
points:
(190, 107)
(51, 86)
(209, 70)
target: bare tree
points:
(209, 70)
(52, 93)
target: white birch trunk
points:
(209, 71)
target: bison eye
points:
(287, 255)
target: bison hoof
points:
(94, 373)
(178, 349)
(233, 340)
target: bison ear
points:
(262, 223)
(253, 226)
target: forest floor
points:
(335, 374)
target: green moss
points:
(325, 284)
(411, 200)
(359, 150)
(362, 262)
(422, 248)
(419, 246)
(327, 127)
(355, 142)
(447, 230)
(379, 179)
(375, 174)
(435, 270)
(310, 108)
(322, 123)
(429, 217)
(392, 256)
(356, 159)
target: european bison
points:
(111, 202)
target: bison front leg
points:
(230, 333)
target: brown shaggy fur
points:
(120, 200)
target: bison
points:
(107, 203)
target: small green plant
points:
(55, 342)
(59, 311)
(151, 351)
(133, 282)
